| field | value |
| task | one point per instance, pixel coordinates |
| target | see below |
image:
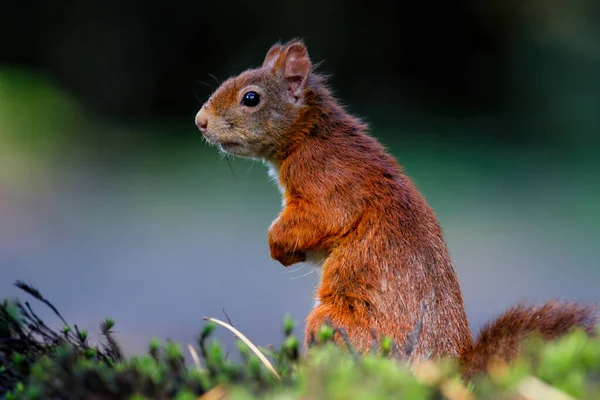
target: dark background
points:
(110, 202)
(455, 59)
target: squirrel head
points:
(251, 115)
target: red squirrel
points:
(349, 208)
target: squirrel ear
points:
(296, 68)
(272, 55)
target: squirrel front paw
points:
(281, 250)
(287, 258)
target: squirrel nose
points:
(201, 121)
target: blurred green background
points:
(111, 204)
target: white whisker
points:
(312, 271)
(251, 165)
(292, 271)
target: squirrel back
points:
(349, 208)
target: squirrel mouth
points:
(227, 146)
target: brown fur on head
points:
(258, 131)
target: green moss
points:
(38, 363)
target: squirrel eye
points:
(251, 99)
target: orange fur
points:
(386, 267)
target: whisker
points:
(230, 167)
(215, 78)
(251, 165)
(317, 276)
(312, 271)
(292, 271)
(197, 97)
(210, 86)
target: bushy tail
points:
(501, 338)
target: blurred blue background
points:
(111, 204)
